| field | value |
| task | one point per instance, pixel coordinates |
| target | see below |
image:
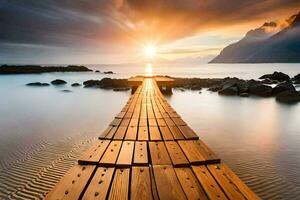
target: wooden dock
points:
(149, 152)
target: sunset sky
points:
(125, 31)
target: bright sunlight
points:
(150, 51)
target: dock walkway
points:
(149, 152)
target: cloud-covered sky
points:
(103, 31)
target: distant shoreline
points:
(38, 69)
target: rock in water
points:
(288, 97)
(282, 87)
(38, 84)
(277, 76)
(229, 91)
(109, 72)
(58, 82)
(76, 85)
(260, 90)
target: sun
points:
(150, 51)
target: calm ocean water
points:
(43, 129)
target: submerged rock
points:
(121, 89)
(288, 97)
(66, 90)
(109, 72)
(282, 87)
(278, 76)
(97, 71)
(76, 85)
(38, 84)
(58, 82)
(244, 94)
(196, 87)
(230, 91)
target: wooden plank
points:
(154, 133)
(190, 184)
(161, 122)
(230, 183)
(207, 153)
(193, 155)
(211, 187)
(140, 184)
(125, 122)
(143, 133)
(152, 122)
(128, 115)
(73, 183)
(159, 154)
(168, 186)
(143, 122)
(176, 133)
(94, 153)
(178, 121)
(110, 156)
(120, 186)
(99, 186)
(198, 153)
(177, 156)
(134, 122)
(115, 122)
(188, 132)
(120, 133)
(105, 132)
(140, 154)
(126, 154)
(111, 133)
(166, 133)
(121, 115)
(131, 133)
(153, 185)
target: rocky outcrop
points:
(36, 69)
(288, 97)
(260, 90)
(106, 83)
(282, 87)
(277, 76)
(38, 84)
(76, 85)
(58, 82)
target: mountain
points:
(274, 42)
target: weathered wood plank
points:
(166, 133)
(143, 134)
(120, 186)
(94, 153)
(140, 184)
(105, 132)
(73, 183)
(161, 122)
(168, 186)
(99, 185)
(208, 183)
(143, 122)
(126, 154)
(110, 156)
(134, 122)
(154, 133)
(115, 122)
(230, 183)
(207, 153)
(177, 156)
(111, 133)
(178, 121)
(140, 154)
(125, 122)
(152, 122)
(159, 154)
(131, 133)
(176, 133)
(193, 155)
(190, 184)
(188, 132)
(120, 133)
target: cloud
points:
(118, 25)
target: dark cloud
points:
(121, 23)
